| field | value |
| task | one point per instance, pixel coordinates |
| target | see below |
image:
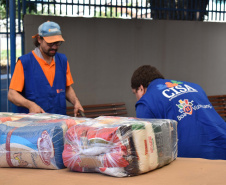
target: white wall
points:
(103, 53)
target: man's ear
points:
(39, 40)
(143, 90)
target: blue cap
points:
(50, 31)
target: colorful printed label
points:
(187, 108)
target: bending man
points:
(201, 131)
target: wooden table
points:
(182, 171)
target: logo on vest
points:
(60, 90)
(173, 89)
(187, 108)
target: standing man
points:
(42, 79)
(201, 131)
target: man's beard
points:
(50, 54)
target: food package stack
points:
(34, 140)
(120, 146)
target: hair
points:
(36, 43)
(144, 75)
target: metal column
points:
(12, 40)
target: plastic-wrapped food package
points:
(31, 144)
(43, 121)
(120, 146)
(165, 131)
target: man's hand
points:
(34, 108)
(77, 107)
(16, 98)
(71, 97)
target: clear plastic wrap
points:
(120, 146)
(32, 145)
(34, 140)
